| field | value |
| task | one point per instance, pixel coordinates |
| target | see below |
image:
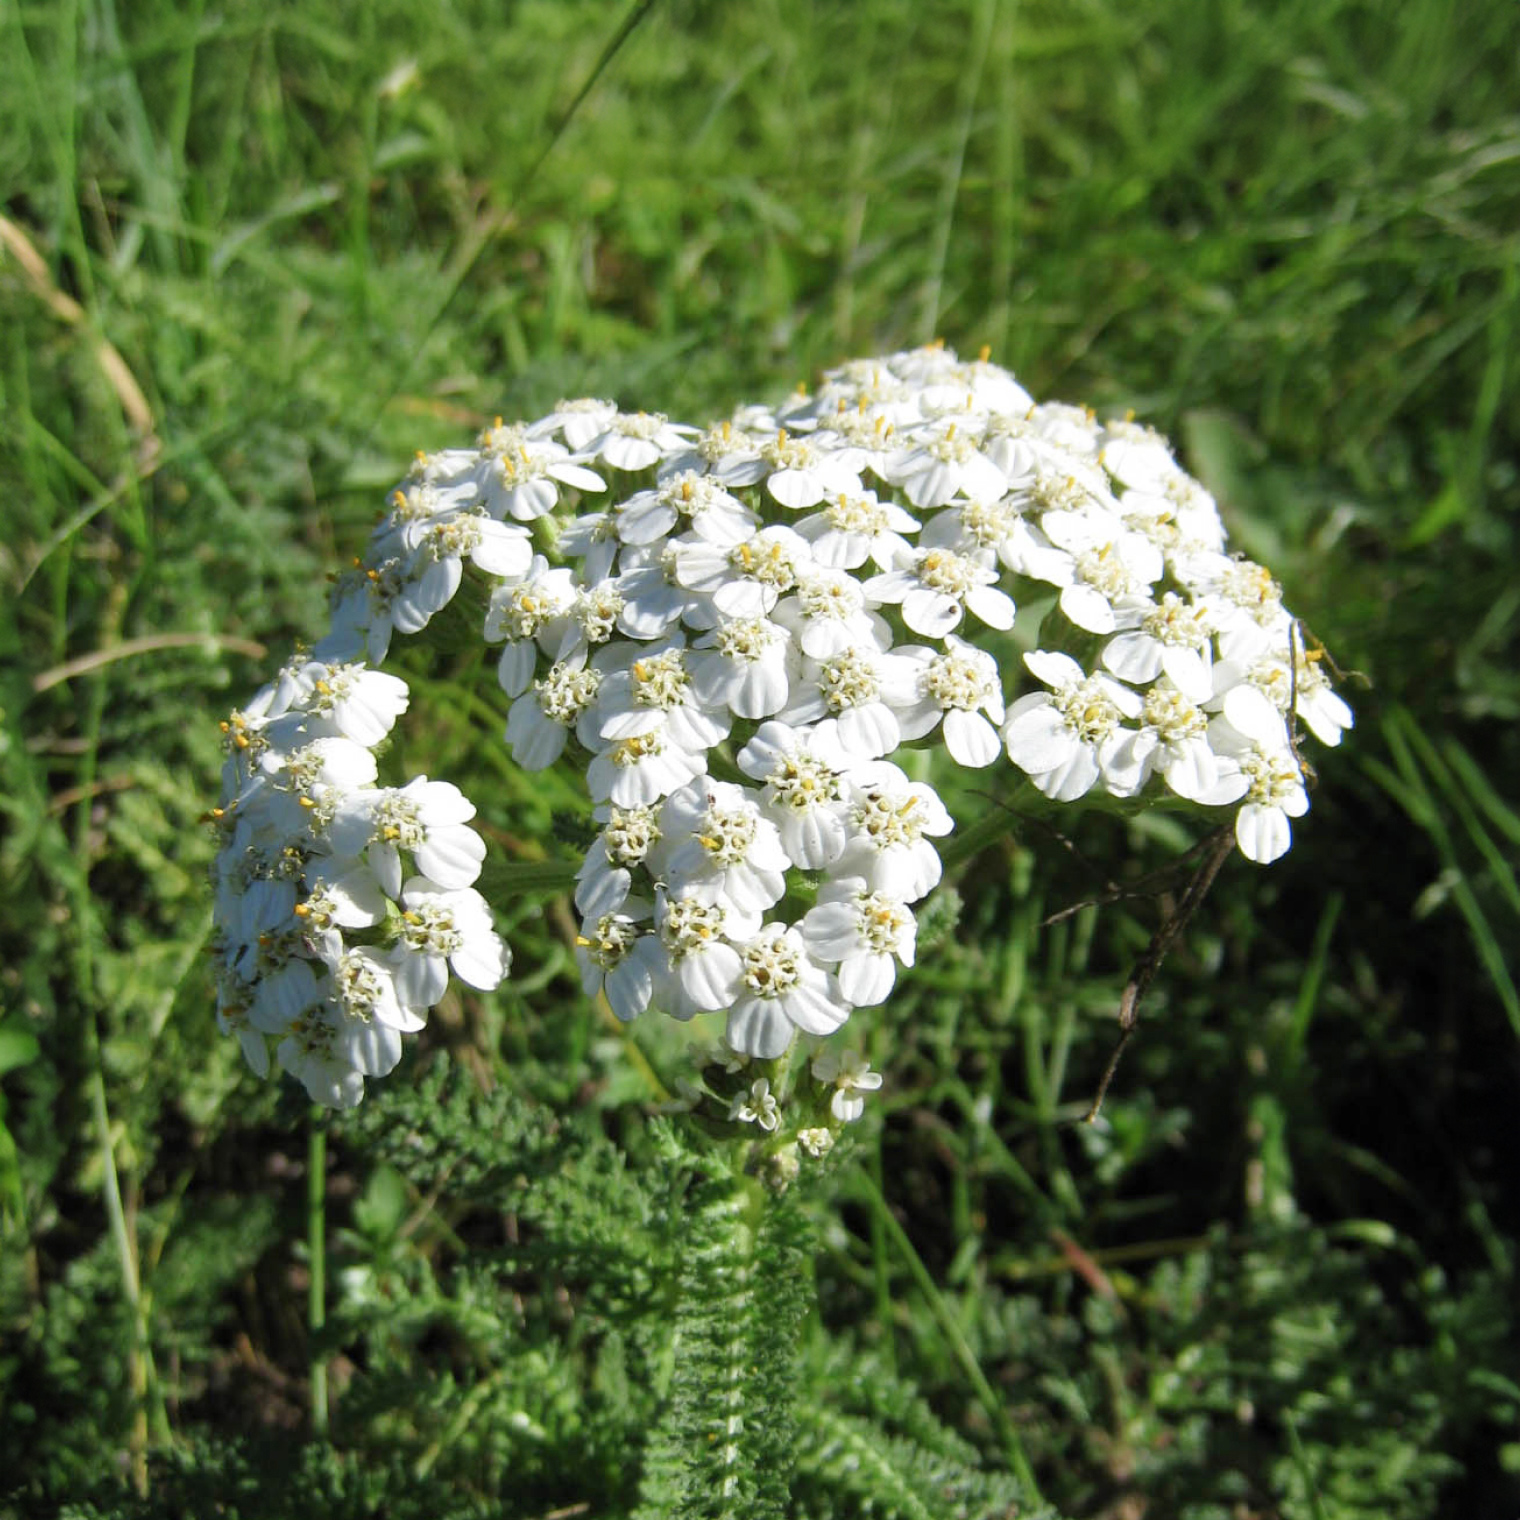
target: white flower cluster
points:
(733, 631)
(324, 942)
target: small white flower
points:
(341, 894)
(578, 421)
(685, 501)
(592, 538)
(1245, 603)
(1171, 636)
(305, 786)
(642, 768)
(653, 599)
(529, 615)
(757, 1106)
(780, 989)
(1174, 740)
(310, 1053)
(892, 822)
(593, 620)
(425, 818)
(728, 452)
(606, 876)
(866, 932)
(655, 693)
(746, 579)
(520, 475)
(946, 462)
(1276, 793)
(637, 440)
(1068, 738)
(1306, 690)
(827, 615)
(440, 929)
(717, 846)
(851, 528)
(439, 547)
(962, 687)
(366, 992)
(620, 959)
(850, 1075)
(938, 588)
(702, 968)
(539, 721)
(853, 700)
(803, 792)
(803, 472)
(816, 1141)
(741, 665)
(347, 700)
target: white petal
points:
(481, 962)
(814, 1011)
(867, 979)
(515, 668)
(971, 740)
(1251, 712)
(451, 856)
(1073, 779)
(756, 1027)
(1262, 833)
(709, 977)
(1088, 608)
(1038, 739)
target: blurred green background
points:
(253, 256)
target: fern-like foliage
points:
(724, 1442)
(872, 1446)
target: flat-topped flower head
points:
(739, 596)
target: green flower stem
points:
(1013, 1447)
(521, 878)
(316, 1249)
(996, 823)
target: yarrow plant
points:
(737, 635)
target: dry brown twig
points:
(1216, 850)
